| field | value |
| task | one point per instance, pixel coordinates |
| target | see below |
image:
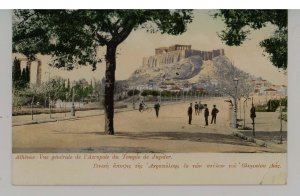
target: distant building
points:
(263, 87)
(175, 53)
(148, 86)
(175, 89)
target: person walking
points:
(196, 106)
(206, 114)
(156, 107)
(214, 112)
(190, 113)
(142, 106)
(200, 107)
(252, 113)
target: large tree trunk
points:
(109, 88)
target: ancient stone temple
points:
(35, 70)
(175, 53)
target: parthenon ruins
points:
(175, 53)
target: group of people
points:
(198, 109)
(142, 106)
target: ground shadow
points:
(76, 133)
(266, 135)
(102, 149)
(187, 136)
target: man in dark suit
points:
(214, 112)
(190, 113)
(206, 114)
(156, 107)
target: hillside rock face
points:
(177, 63)
(185, 69)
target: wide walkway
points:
(136, 132)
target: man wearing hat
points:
(206, 114)
(190, 113)
(214, 112)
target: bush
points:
(284, 117)
(272, 105)
(150, 92)
(261, 108)
(131, 92)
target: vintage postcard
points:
(149, 97)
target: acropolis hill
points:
(175, 53)
(177, 63)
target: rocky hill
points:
(190, 69)
(185, 69)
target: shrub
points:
(272, 105)
(131, 92)
(284, 117)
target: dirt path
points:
(136, 132)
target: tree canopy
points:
(72, 37)
(240, 22)
(20, 77)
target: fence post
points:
(31, 105)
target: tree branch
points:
(25, 19)
(102, 39)
(120, 37)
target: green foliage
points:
(145, 93)
(154, 93)
(283, 117)
(239, 22)
(55, 88)
(133, 92)
(82, 90)
(150, 92)
(16, 73)
(19, 99)
(272, 105)
(261, 108)
(20, 78)
(29, 95)
(170, 94)
(73, 36)
(167, 94)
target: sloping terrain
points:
(183, 70)
(191, 69)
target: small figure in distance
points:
(190, 113)
(214, 112)
(206, 114)
(252, 113)
(141, 106)
(196, 106)
(201, 107)
(156, 107)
